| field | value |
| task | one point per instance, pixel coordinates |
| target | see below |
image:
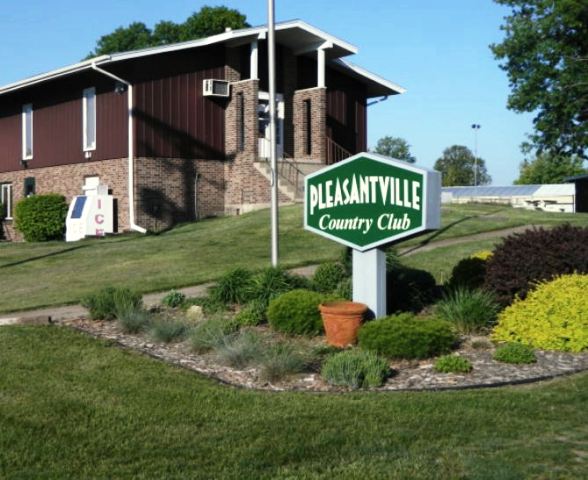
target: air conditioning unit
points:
(216, 88)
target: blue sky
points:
(437, 50)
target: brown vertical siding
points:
(57, 123)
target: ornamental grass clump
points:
(516, 353)
(252, 314)
(173, 299)
(271, 282)
(470, 311)
(167, 330)
(279, 360)
(135, 320)
(233, 287)
(554, 316)
(407, 336)
(107, 302)
(210, 333)
(453, 364)
(355, 369)
(239, 349)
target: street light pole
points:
(476, 127)
(271, 43)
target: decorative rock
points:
(195, 314)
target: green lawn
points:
(73, 407)
(37, 275)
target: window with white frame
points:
(89, 116)
(27, 131)
(6, 199)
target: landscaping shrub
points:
(554, 316)
(173, 299)
(296, 312)
(471, 311)
(41, 217)
(355, 369)
(409, 289)
(233, 287)
(134, 320)
(328, 276)
(166, 329)
(468, 273)
(252, 314)
(406, 336)
(535, 255)
(515, 353)
(281, 360)
(344, 289)
(107, 302)
(453, 364)
(392, 259)
(239, 349)
(482, 254)
(272, 282)
(210, 333)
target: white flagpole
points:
(271, 43)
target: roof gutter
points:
(131, 147)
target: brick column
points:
(318, 124)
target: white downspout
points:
(131, 148)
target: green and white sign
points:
(370, 200)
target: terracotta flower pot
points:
(342, 321)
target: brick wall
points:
(318, 128)
(173, 190)
(68, 180)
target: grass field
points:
(54, 273)
(73, 407)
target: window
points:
(240, 123)
(6, 199)
(27, 132)
(89, 116)
(308, 125)
(29, 186)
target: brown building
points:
(171, 144)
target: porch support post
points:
(253, 61)
(320, 74)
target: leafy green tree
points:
(549, 169)
(395, 147)
(457, 166)
(207, 21)
(545, 55)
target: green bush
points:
(515, 353)
(166, 330)
(409, 289)
(345, 289)
(272, 282)
(296, 312)
(173, 299)
(468, 273)
(552, 317)
(41, 217)
(233, 287)
(471, 311)
(239, 349)
(406, 336)
(134, 320)
(453, 364)
(355, 369)
(280, 360)
(252, 314)
(210, 333)
(328, 276)
(106, 303)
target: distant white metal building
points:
(549, 198)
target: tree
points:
(549, 169)
(545, 54)
(208, 21)
(395, 147)
(457, 167)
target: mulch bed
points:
(406, 375)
